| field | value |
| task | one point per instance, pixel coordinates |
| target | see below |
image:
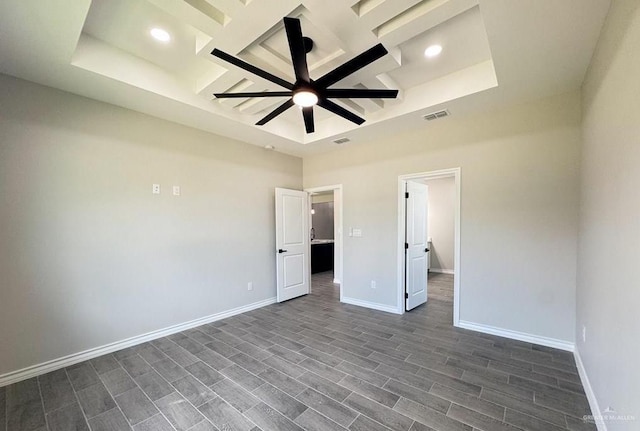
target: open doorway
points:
(441, 240)
(429, 240)
(325, 223)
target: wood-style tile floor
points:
(315, 364)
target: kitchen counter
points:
(322, 241)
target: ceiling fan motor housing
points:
(308, 44)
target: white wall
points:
(608, 294)
(519, 180)
(442, 211)
(88, 256)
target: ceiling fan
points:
(306, 92)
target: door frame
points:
(431, 175)
(338, 233)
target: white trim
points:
(591, 395)
(372, 305)
(323, 188)
(338, 233)
(65, 361)
(521, 336)
(433, 175)
(442, 271)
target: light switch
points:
(357, 233)
(176, 190)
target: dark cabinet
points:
(321, 257)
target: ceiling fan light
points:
(305, 98)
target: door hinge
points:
(406, 246)
(406, 295)
(406, 195)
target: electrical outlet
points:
(155, 189)
(250, 285)
(584, 334)
(373, 284)
(176, 190)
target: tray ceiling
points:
(106, 45)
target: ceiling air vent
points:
(341, 141)
(436, 115)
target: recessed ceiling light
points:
(160, 35)
(433, 51)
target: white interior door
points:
(292, 243)
(416, 278)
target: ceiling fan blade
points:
(256, 94)
(251, 68)
(351, 66)
(296, 46)
(360, 93)
(273, 114)
(339, 110)
(307, 113)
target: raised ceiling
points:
(495, 52)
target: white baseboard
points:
(372, 305)
(336, 281)
(441, 271)
(591, 396)
(65, 361)
(521, 336)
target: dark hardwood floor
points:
(312, 363)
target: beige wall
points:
(518, 217)
(322, 220)
(608, 296)
(88, 256)
(442, 214)
(322, 197)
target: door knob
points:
(282, 251)
(426, 250)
